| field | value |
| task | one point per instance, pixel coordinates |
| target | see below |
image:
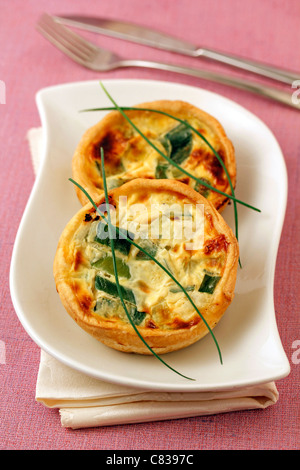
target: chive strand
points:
(178, 166)
(187, 124)
(157, 149)
(110, 231)
(120, 109)
(160, 265)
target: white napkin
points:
(85, 402)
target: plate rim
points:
(145, 385)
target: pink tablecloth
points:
(265, 30)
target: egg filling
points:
(172, 232)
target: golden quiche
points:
(182, 231)
(128, 155)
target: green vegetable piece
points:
(137, 317)
(161, 171)
(209, 283)
(164, 140)
(106, 264)
(105, 303)
(200, 188)
(110, 288)
(115, 183)
(120, 242)
(108, 307)
(174, 290)
(181, 140)
(148, 246)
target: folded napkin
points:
(85, 402)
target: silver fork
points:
(93, 57)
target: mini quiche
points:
(179, 228)
(128, 155)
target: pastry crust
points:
(129, 156)
(169, 321)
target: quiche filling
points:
(128, 155)
(175, 233)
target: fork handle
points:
(268, 71)
(262, 90)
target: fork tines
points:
(73, 45)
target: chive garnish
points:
(105, 285)
(150, 256)
(170, 160)
(204, 183)
(110, 230)
(162, 169)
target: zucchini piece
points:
(121, 243)
(114, 183)
(110, 288)
(148, 246)
(200, 188)
(176, 289)
(178, 144)
(106, 264)
(209, 283)
(113, 307)
(137, 317)
(181, 140)
(164, 140)
(161, 171)
(106, 303)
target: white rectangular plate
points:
(248, 335)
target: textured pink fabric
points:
(263, 29)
